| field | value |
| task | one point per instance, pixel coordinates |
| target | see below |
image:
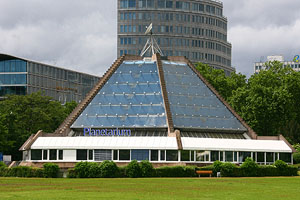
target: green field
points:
(156, 188)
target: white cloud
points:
(81, 35)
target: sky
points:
(81, 34)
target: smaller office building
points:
(258, 66)
(170, 116)
(20, 76)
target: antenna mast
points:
(151, 43)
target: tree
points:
(25, 115)
(267, 102)
(225, 85)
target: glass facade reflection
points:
(21, 77)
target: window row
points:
(293, 66)
(164, 155)
(168, 4)
(62, 74)
(13, 79)
(170, 17)
(175, 29)
(13, 66)
(52, 154)
(190, 55)
(13, 90)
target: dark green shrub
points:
(108, 169)
(20, 171)
(2, 164)
(249, 168)
(133, 169)
(71, 173)
(94, 170)
(147, 169)
(82, 169)
(37, 172)
(217, 166)
(296, 157)
(281, 165)
(122, 172)
(50, 170)
(3, 171)
(176, 171)
(228, 170)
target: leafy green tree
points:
(225, 85)
(267, 102)
(22, 116)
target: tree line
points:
(21, 116)
(267, 101)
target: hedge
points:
(21, 171)
(250, 169)
(50, 170)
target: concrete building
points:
(195, 29)
(20, 76)
(258, 66)
(155, 108)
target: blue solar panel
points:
(132, 97)
(192, 103)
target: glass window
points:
(36, 154)
(53, 154)
(202, 156)
(140, 154)
(81, 154)
(124, 154)
(154, 155)
(45, 154)
(286, 157)
(270, 157)
(169, 4)
(235, 154)
(185, 155)
(172, 155)
(91, 156)
(229, 156)
(222, 156)
(116, 154)
(192, 155)
(102, 154)
(60, 154)
(214, 155)
(260, 157)
(243, 155)
(162, 155)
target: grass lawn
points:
(155, 188)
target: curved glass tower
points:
(196, 29)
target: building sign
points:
(106, 132)
(296, 58)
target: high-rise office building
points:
(196, 29)
(19, 76)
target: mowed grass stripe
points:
(153, 188)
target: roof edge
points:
(250, 132)
(65, 127)
(163, 86)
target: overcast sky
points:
(81, 34)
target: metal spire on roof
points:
(151, 43)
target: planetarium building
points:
(155, 108)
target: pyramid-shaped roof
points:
(155, 93)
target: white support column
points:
(179, 155)
(265, 154)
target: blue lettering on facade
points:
(106, 132)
